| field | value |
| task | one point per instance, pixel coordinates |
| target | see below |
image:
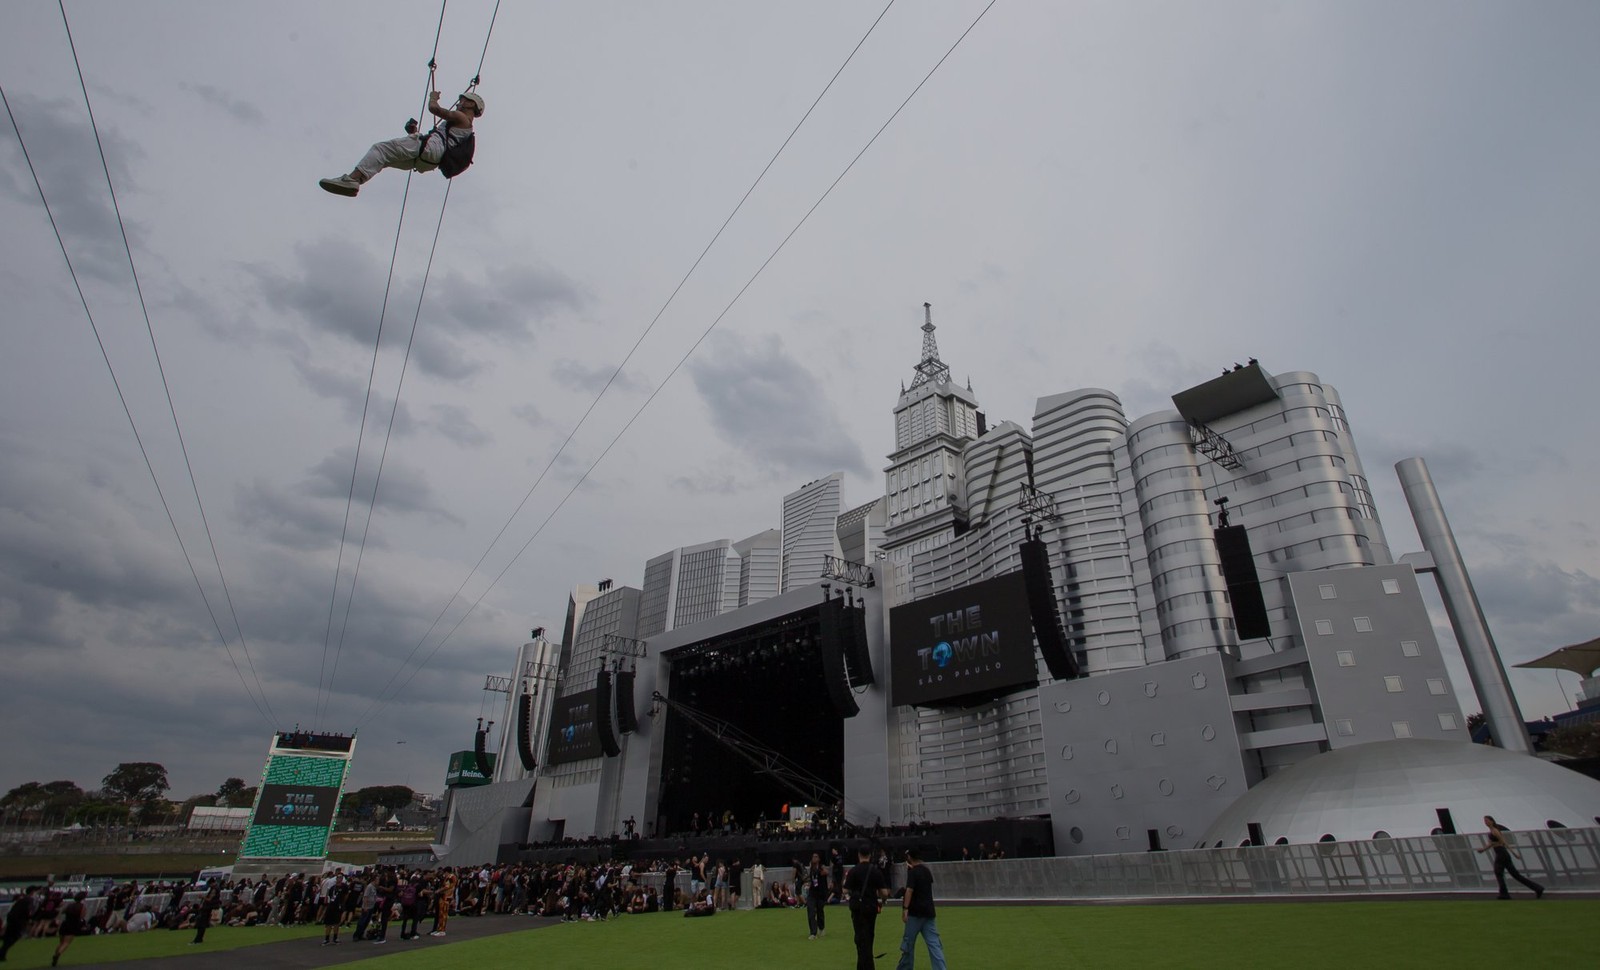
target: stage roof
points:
(1231, 393)
(1582, 659)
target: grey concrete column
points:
(1461, 603)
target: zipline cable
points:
(338, 649)
(156, 350)
(617, 372)
(132, 424)
(372, 501)
(682, 360)
(366, 402)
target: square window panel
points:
(1436, 686)
(1402, 729)
(1391, 586)
(1409, 648)
(1393, 685)
(1346, 658)
(1363, 624)
(1327, 591)
(1447, 722)
(1324, 628)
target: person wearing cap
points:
(413, 151)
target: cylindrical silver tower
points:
(1466, 616)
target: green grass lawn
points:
(1466, 933)
(154, 943)
(1237, 936)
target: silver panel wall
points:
(1134, 750)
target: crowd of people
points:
(361, 904)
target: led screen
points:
(573, 735)
(964, 645)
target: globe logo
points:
(570, 731)
(942, 653)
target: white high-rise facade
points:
(688, 585)
(810, 530)
(925, 482)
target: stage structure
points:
(296, 803)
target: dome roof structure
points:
(1394, 789)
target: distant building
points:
(810, 522)
(760, 566)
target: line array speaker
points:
(857, 657)
(627, 719)
(1244, 587)
(525, 732)
(1063, 663)
(830, 622)
(479, 743)
(602, 714)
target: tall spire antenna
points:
(931, 368)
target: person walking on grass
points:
(1499, 842)
(17, 919)
(867, 889)
(917, 913)
(71, 926)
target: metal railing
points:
(1560, 859)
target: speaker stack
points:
(830, 644)
(1244, 587)
(602, 714)
(1063, 663)
(525, 731)
(627, 719)
(857, 657)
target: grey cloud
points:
(351, 392)
(287, 520)
(436, 355)
(765, 403)
(338, 289)
(511, 301)
(529, 414)
(708, 483)
(1448, 461)
(403, 489)
(591, 379)
(1527, 592)
(456, 424)
(239, 109)
(62, 146)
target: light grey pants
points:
(401, 153)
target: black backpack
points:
(457, 157)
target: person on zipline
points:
(413, 151)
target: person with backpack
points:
(867, 888)
(448, 146)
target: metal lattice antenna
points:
(931, 368)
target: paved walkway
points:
(309, 951)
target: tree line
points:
(135, 793)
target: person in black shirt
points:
(17, 919)
(867, 889)
(817, 897)
(917, 913)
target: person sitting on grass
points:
(702, 907)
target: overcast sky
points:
(1402, 198)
